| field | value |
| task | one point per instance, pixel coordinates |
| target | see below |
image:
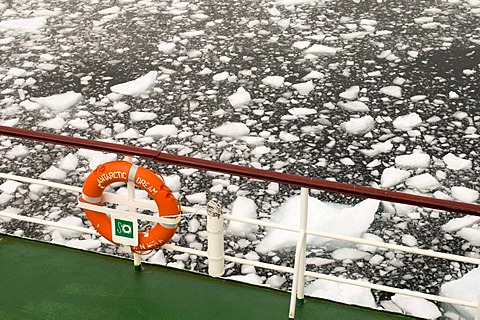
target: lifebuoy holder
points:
(123, 171)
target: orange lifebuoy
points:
(122, 171)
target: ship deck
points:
(46, 281)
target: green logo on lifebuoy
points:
(124, 228)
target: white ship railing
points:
(215, 247)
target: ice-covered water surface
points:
(380, 93)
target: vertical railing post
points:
(477, 312)
(215, 251)
(137, 259)
(300, 252)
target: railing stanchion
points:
(477, 312)
(216, 254)
(137, 258)
(299, 267)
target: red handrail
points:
(259, 174)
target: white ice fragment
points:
(358, 125)
(393, 91)
(464, 194)
(302, 111)
(231, 129)
(416, 306)
(10, 186)
(409, 240)
(222, 76)
(18, 151)
(24, 25)
(304, 88)
(423, 182)
(246, 208)
(173, 182)
(69, 220)
(407, 122)
(453, 95)
(301, 44)
(351, 93)
(240, 98)
(137, 116)
(471, 235)
(251, 278)
(56, 123)
(69, 162)
(313, 75)
(392, 176)
(275, 281)
(349, 253)
(465, 288)
(60, 102)
(17, 72)
(273, 81)
(160, 130)
(128, 134)
(322, 50)
(288, 137)
(414, 160)
(456, 163)
(355, 106)
(138, 86)
(345, 293)
(111, 10)
(53, 173)
(84, 244)
(459, 223)
(199, 197)
(166, 47)
(417, 98)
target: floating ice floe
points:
(423, 182)
(393, 91)
(166, 47)
(136, 87)
(24, 25)
(359, 125)
(325, 217)
(222, 76)
(464, 194)
(246, 208)
(393, 176)
(302, 111)
(231, 129)
(60, 102)
(273, 81)
(377, 148)
(456, 163)
(304, 88)
(471, 235)
(53, 173)
(351, 93)
(341, 292)
(56, 123)
(355, 106)
(321, 50)
(414, 160)
(407, 122)
(240, 98)
(137, 116)
(160, 130)
(465, 288)
(417, 307)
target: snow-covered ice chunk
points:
(471, 235)
(378, 148)
(56, 123)
(313, 75)
(10, 186)
(273, 81)
(465, 288)
(71, 221)
(464, 194)
(222, 76)
(137, 116)
(322, 216)
(243, 207)
(456, 163)
(166, 47)
(393, 91)
(407, 122)
(24, 25)
(288, 137)
(351, 93)
(251, 278)
(414, 160)
(423, 182)
(60, 102)
(161, 130)
(341, 292)
(231, 129)
(240, 98)
(84, 244)
(358, 125)
(392, 176)
(355, 106)
(302, 111)
(349, 253)
(199, 197)
(304, 88)
(53, 173)
(128, 134)
(409, 240)
(18, 151)
(301, 44)
(69, 162)
(138, 86)
(321, 50)
(417, 307)
(459, 223)
(17, 72)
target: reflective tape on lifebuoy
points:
(122, 171)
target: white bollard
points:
(216, 256)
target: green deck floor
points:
(44, 281)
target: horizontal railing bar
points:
(248, 172)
